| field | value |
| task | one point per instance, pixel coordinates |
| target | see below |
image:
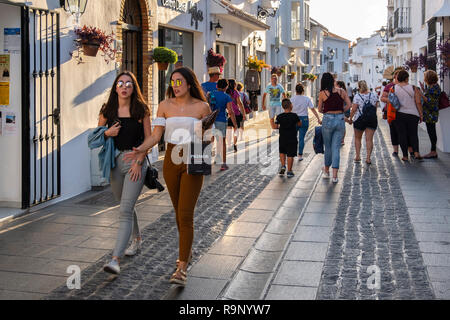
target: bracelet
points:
(139, 162)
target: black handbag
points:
(199, 161)
(151, 178)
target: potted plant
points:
(412, 64)
(214, 60)
(444, 49)
(92, 39)
(163, 56)
(293, 74)
(253, 63)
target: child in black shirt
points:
(287, 122)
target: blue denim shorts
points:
(274, 111)
(221, 127)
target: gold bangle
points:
(139, 162)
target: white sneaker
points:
(133, 248)
(325, 175)
(335, 180)
(112, 267)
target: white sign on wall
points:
(12, 40)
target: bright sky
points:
(350, 18)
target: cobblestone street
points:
(373, 228)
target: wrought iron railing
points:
(402, 21)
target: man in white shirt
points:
(350, 91)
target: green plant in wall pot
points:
(163, 56)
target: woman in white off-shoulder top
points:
(180, 116)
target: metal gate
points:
(41, 105)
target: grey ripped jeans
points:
(127, 192)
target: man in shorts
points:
(218, 99)
(276, 94)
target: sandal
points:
(189, 260)
(357, 160)
(369, 162)
(179, 277)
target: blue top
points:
(209, 86)
(275, 94)
(108, 154)
(219, 100)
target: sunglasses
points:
(121, 84)
(176, 83)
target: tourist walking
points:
(179, 116)
(364, 118)
(214, 75)
(331, 104)
(431, 95)
(301, 105)
(238, 110)
(246, 103)
(408, 116)
(341, 84)
(287, 122)
(126, 120)
(349, 90)
(385, 98)
(219, 100)
(276, 94)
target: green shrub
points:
(163, 54)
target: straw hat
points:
(388, 73)
(214, 70)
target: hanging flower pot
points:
(90, 48)
(163, 56)
(163, 66)
(414, 69)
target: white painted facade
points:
(367, 62)
(409, 37)
(338, 63)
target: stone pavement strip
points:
(364, 226)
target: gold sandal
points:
(179, 277)
(189, 260)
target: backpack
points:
(369, 111)
(393, 99)
(391, 112)
(246, 103)
(211, 100)
(443, 101)
(318, 140)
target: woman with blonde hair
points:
(431, 95)
(365, 120)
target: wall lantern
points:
(74, 7)
(259, 41)
(263, 11)
(383, 34)
(218, 28)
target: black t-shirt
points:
(131, 134)
(288, 125)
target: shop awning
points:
(226, 10)
(283, 57)
(444, 11)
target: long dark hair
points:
(195, 91)
(327, 82)
(231, 86)
(138, 106)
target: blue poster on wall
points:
(12, 40)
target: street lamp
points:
(218, 28)
(74, 7)
(263, 11)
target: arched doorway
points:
(132, 39)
